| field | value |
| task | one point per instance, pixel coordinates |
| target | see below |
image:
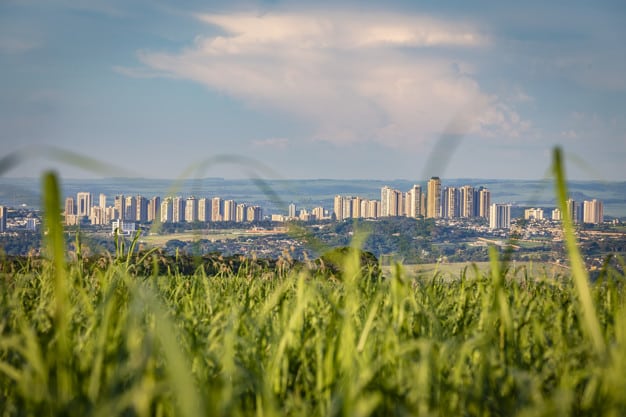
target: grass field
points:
(455, 269)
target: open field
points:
(212, 235)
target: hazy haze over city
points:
(316, 89)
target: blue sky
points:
(316, 89)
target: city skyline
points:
(313, 90)
(465, 202)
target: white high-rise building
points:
(154, 208)
(466, 206)
(241, 213)
(191, 209)
(485, 202)
(433, 199)
(178, 209)
(338, 207)
(217, 209)
(593, 211)
(533, 214)
(83, 204)
(204, 210)
(556, 214)
(167, 210)
(230, 208)
(500, 216)
(292, 211)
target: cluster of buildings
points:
(588, 211)
(464, 202)
(434, 202)
(128, 210)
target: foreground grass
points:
(266, 342)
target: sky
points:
(324, 89)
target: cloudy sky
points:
(319, 89)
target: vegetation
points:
(115, 337)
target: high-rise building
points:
(191, 209)
(102, 200)
(556, 214)
(500, 216)
(3, 219)
(130, 209)
(167, 210)
(204, 209)
(573, 210)
(484, 196)
(391, 202)
(83, 204)
(433, 199)
(292, 211)
(347, 207)
(217, 209)
(373, 209)
(178, 209)
(119, 203)
(254, 214)
(230, 208)
(356, 208)
(241, 213)
(414, 202)
(154, 209)
(450, 203)
(318, 213)
(141, 207)
(70, 206)
(593, 211)
(338, 207)
(466, 206)
(533, 214)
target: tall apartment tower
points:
(167, 210)
(217, 209)
(70, 206)
(466, 205)
(130, 209)
(241, 213)
(230, 208)
(593, 211)
(191, 209)
(141, 209)
(484, 197)
(178, 209)
(254, 214)
(204, 210)
(119, 203)
(414, 202)
(573, 210)
(338, 207)
(154, 209)
(450, 203)
(391, 202)
(83, 204)
(292, 211)
(433, 199)
(3, 219)
(500, 216)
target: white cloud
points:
(388, 78)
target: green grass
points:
(84, 338)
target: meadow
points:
(112, 336)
